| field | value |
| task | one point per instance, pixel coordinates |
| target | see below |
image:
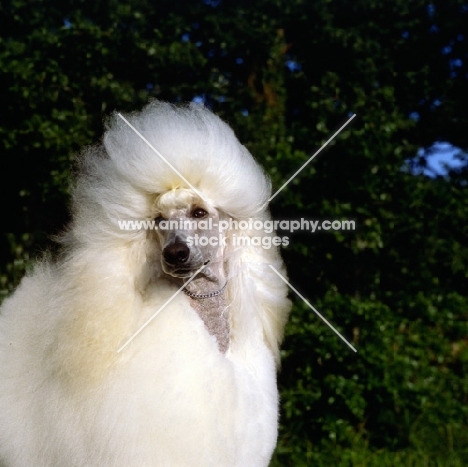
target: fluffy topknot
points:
(199, 145)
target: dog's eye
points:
(158, 219)
(199, 213)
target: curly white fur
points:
(171, 398)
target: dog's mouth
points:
(182, 273)
(179, 272)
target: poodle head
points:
(167, 163)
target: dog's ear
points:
(258, 295)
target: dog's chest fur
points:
(215, 315)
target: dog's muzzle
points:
(176, 254)
(176, 257)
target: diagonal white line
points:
(313, 309)
(160, 309)
(162, 157)
(304, 165)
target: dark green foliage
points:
(286, 75)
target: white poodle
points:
(197, 385)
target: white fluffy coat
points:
(170, 398)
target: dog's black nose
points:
(176, 253)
